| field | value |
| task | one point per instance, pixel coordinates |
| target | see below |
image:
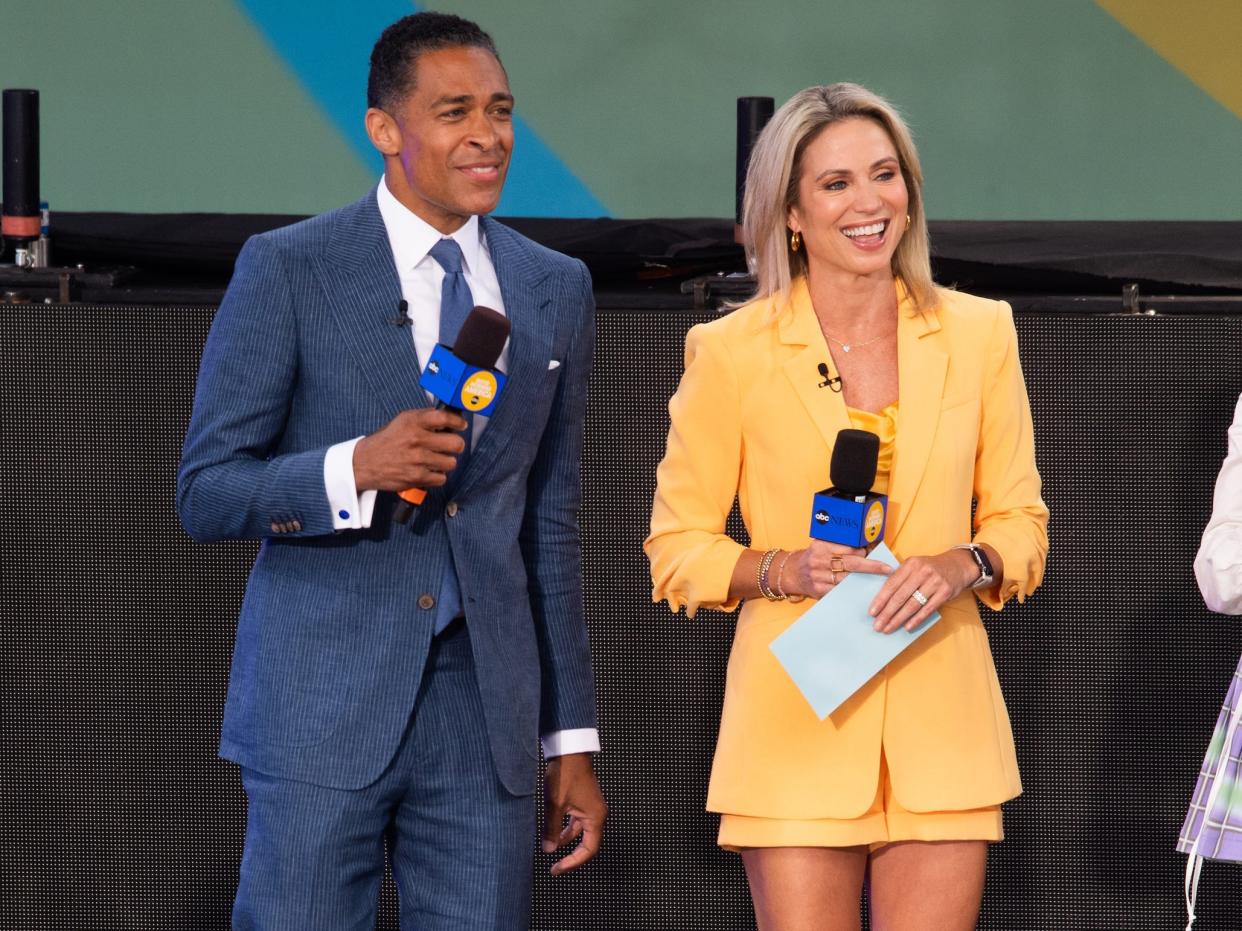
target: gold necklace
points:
(847, 347)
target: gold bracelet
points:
(762, 575)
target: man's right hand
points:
(413, 450)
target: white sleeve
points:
(1218, 566)
(578, 740)
(350, 510)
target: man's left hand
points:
(571, 790)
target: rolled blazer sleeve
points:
(1218, 565)
(692, 559)
(1010, 515)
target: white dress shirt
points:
(421, 276)
(1218, 567)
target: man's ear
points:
(383, 131)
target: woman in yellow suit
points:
(903, 782)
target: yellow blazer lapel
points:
(921, 366)
(798, 327)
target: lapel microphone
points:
(829, 381)
(403, 317)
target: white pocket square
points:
(554, 364)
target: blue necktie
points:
(456, 303)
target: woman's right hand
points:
(818, 569)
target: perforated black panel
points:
(115, 812)
(117, 631)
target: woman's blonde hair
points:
(776, 168)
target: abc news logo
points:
(837, 520)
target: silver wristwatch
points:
(985, 565)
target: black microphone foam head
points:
(854, 458)
(481, 338)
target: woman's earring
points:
(907, 222)
(795, 241)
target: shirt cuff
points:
(578, 740)
(1218, 569)
(350, 510)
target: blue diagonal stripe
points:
(328, 45)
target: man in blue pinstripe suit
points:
(391, 682)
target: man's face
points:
(453, 135)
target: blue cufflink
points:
(343, 514)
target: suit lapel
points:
(799, 327)
(922, 366)
(528, 290)
(359, 276)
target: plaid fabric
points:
(1218, 834)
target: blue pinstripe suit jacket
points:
(331, 640)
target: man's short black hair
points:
(396, 53)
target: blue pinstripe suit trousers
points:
(461, 845)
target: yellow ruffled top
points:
(883, 425)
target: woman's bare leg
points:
(921, 885)
(806, 888)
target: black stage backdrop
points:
(116, 814)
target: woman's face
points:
(852, 200)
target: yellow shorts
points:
(883, 823)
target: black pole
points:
(753, 114)
(21, 165)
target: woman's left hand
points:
(936, 579)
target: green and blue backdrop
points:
(1022, 109)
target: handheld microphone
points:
(830, 381)
(848, 512)
(462, 379)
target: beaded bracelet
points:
(762, 575)
(780, 589)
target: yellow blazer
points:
(750, 420)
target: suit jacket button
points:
(451, 509)
(426, 602)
